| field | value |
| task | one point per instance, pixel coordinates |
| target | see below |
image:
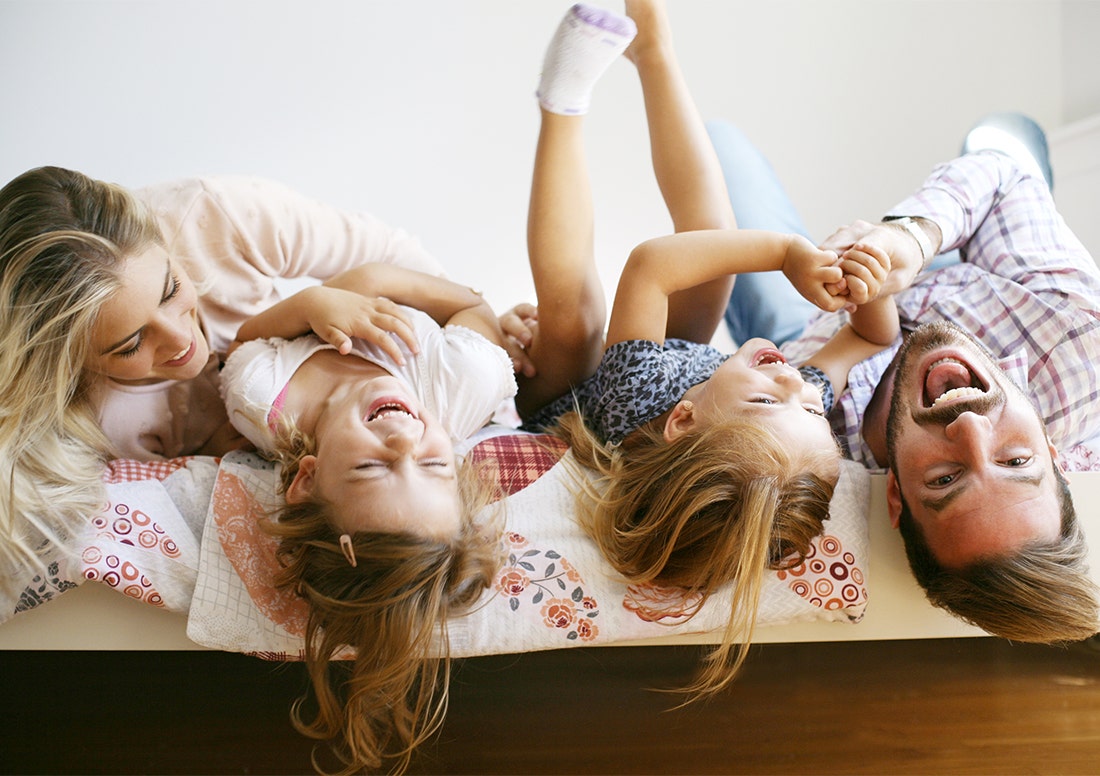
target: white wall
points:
(422, 110)
(1081, 76)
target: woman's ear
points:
(680, 421)
(300, 489)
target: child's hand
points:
(865, 268)
(336, 315)
(888, 246)
(520, 325)
(815, 273)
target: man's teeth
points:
(958, 393)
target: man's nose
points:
(970, 429)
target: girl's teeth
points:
(383, 412)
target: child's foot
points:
(651, 19)
(587, 41)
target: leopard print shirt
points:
(636, 381)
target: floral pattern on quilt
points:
(829, 576)
(551, 591)
(545, 579)
(43, 587)
(237, 515)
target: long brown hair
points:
(377, 650)
(715, 507)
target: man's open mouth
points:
(950, 379)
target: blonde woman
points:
(115, 308)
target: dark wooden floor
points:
(964, 706)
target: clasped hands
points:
(853, 266)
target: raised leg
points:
(687, 169)
(572, 311)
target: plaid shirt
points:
(1026, 288)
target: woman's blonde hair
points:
(63, 240)
(711, 508)
(391, 609)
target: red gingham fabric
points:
(124, 470)
(519, 459)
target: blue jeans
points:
(763, 304)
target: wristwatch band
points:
(911, 226)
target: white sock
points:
(587, 41)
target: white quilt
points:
(554, 590)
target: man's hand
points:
(876, 259)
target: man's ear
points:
(300, 489)
(893, 498)
(680, 420)
(1054, 457)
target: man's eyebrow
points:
(163, 294)
(941, 503)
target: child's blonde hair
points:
(715, 507)
(391, 609)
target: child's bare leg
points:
(688, 172)
(571, 304)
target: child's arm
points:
(361, 302)
(660, 267)
(872, 327)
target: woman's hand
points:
(223, 440)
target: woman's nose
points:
(174, 336)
